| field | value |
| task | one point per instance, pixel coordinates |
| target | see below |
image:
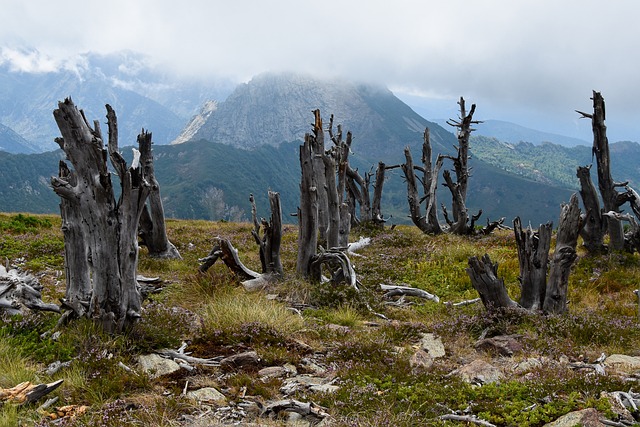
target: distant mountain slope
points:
(276, 108)
(513, 133)
(11, 142)
(200, 179)
(251, 146)
(555, 164)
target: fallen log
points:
(20, 290)
(27, 392)
(399, 290)
(292, 405)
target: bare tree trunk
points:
(153, 232)
(485, 280)
(308, 210)
(269, 243)
(317, 146)
(459, 189)
(76, 255)
(376, 210)
(333, 201)
(564, 256)
(595, 224)
(413, 198)
(460, 223)
(533, 254)
(110, 227)
(430, 183)
(610, 196)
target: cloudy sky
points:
(529, 61)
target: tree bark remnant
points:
(429, 222)
(606, 185)
(153, 232)
(533, 255)
(565, 254)
(459, 223)
(485, 280)
(595, 224)
(109, 226)
(308, 209)
(269, 243)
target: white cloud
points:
(540, 56)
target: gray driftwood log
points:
(20, 290)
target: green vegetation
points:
(369, 357)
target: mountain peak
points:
(274, 108)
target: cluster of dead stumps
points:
(102, 231)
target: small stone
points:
(503, 345)
(480, 371)
(291, 369)
(207, 395)
(432, 345)
(421, 360)
(314, 367)
(623, 363)
(272, 372)
(324, 388)
(247, 358)
(156, 366)
(527, 365)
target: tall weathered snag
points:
(153, 232)
(611, 198)
(459, 224)
(103, 230)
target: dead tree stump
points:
(108, 226)
(565, 254)
(610, 196)
(533, 257)
(153, 232)
(484, 274)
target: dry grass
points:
(370, 356)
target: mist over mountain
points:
(142, 96)
(276, 108)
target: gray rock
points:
(272, 372)
(420, 360)
(241, 360)
(207, 395)
(432, 345)
(156, 366)
(527, 365)
(502, 345)
(324, 388)
(586, 418)
(623, 363)
(480, 371)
